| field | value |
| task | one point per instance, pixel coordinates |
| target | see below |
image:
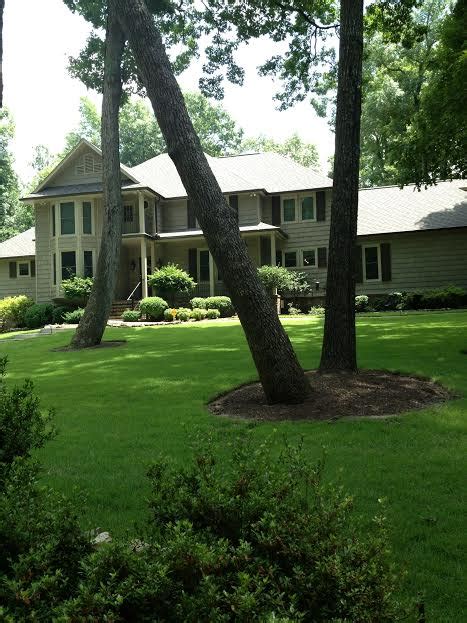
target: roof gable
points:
(21, 245)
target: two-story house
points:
(407, 239)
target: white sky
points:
(40, 35)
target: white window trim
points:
(199, 266)
(60, 219)
(298, 207)
(302, 262)
(378, 249)
(18, 275)
(59, 262)
(91, 201)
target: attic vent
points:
(88, 164)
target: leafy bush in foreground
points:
(183, 314)
(131, 315)
(77, 287)
(213, 314)
(361, 303)
(73, 317)
(171, 280)
(223, 304)
(199, 314)
(153, 307)
(13, 310)
(38, 315)
(170, 314)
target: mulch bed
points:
(107, 344)
(370, 393)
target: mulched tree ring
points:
(369, 393)
(106, 344)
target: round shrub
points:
(183, 314)
(131, 315)
(316, 311)
(213, 314)
(58, 314)
(38, 315)
(198, 302)
(361, 303)
(171, 280)
(13, 310)
(294, 311)
(170, 314)
(77, 287)
(153, 307)
(222, 303)
(199, 314)
(73, 317)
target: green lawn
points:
(118, 408)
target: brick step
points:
(117, 308)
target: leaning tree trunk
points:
(339, 344)
(282, 377)
(2, 6)
(92, 325)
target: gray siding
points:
(20, 285)
(421, 260)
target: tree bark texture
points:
(339, 344)
(2, 7)
(282, 378)
(92, 325)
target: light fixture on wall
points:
(317, 285)
(133, 265)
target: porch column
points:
(211, 275)
(78, 233)
(142, 226)
(273, 249)
(144, 269)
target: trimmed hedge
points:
(38, 315)
(442, 298)
(199, 314)
(131, 315)
(13, 310)
(153, 307)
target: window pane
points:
(308, 209)
(12, 270)
(88, 272)
(309, 258)
(24, 269)
(371, 263)
(290, 259)
(289, 210)
(68, 264)
(128, 214)
(55, 268)
(87, 222)
(53, 220)
(67, 217)
(204, 265)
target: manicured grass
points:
(118, 408)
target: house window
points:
(13, 270)
(288, 215)
(54, 267)
(88, 268)
(87, 218)
(290, 259)
(372, 263)
(68, 264)
(308, 209)
(204, 265)
(67, 218)
(23, 269)
(128, 214)
(309, 257)
(53, 220)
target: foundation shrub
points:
(198, 313)
(74, 316)
(13, 310)
(183, 314)
(213, 314)
(38, 315)
(361, 303)
(153, 307)
(198, 302)
(131, 315)
(223, 304)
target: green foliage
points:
(58, 314)
(13, 310)
(276, 277)
(316, 311)
(198, 302)
(294, 147)
(361, 303)
(131, 315)
(183, 314)
(74, 316)
(38, 315)
(77, 287)
(169, 315)
(14, 218)
(171, 280)
(23, 427)
(199, 314)
(442, 298)
(222, 303)
(293, 311)
(153, 307)
(213, 314)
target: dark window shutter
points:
(233, 202)
(13, 270)
(193, 263)
(276, 210)
(322, 257)
(358, 264)
(321, 205)
(265, 251)
(33, 268)
(386, 261)
(190, 215)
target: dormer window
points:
(88, 164)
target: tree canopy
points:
(294, 147)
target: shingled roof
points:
(391, 209)
(22, 245)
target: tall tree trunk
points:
(339, 344)
(92, 325)
(2, 7)
(282, 377)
